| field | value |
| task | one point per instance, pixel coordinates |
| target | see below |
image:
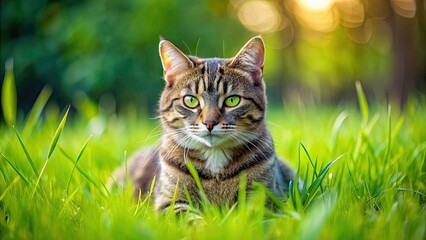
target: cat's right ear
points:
(174, 61)
(251, 58)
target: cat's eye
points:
(190, 101)
(232, 101)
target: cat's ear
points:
(251, 58)
(174, 60)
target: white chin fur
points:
(216, 156)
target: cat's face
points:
(213, 103)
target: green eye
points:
(232, 101)
(190, 101)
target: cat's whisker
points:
(239, 142)
(253, 136)
(154, 153)
(176, 146)
(153, 133)
(250, 141)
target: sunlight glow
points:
(321, 21)
(317, 5)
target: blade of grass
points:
(27, 154)
(296, 197)
(389, 133)
(78, 168)
(37, 108)
(57, 133)
(369, 144)
(188, 197)
(151, 188)
(67, 203)
(305, 181)
(76, 162)
(336, 129)
(372, 123)
(16, 170)
(8, 99)
(15, 180)
(146, 199)
(228, 214)
(314, 166)
(86, 175)
(194, 174)
(170, 212)
(52, 147)
(362, 101)
(397, 127)
(269, 194)
(104, 187)
(242, 190)
(366, 128)
(309, 195)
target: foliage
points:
(108, 46)
(108, 49)
(375, 190)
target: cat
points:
(212, 111)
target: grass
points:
(363, 170)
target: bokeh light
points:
(260, 16)
(320, 18)
(404, 8)
(351, 13)
(316, 5)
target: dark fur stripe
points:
(171, 126)
(255, 103)
(203, 69)
(218, 82)
(254, 120)
(180, 166)
(197, 84)
(253, 161)
(225, 87)
(170, 106)
(258, 159)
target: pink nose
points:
(210, 124)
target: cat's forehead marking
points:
(212, 65)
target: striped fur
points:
(220, 140)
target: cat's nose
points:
(210, 123)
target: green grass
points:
(54, 167)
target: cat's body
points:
(212, 112)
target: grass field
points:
(54, 167)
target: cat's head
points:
(213, 102)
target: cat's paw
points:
(195, 219)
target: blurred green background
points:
(107, 50)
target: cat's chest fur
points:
(215, 159)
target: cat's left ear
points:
(251, 58)
(174, 61)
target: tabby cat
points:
(212, 112)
